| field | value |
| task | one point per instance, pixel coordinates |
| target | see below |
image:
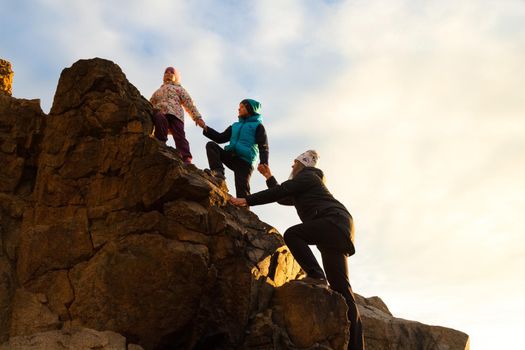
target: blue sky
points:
(416, 109)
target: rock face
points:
(6, 78)
(104, 229)
(77, 338)
(73, 338)
(385, 332)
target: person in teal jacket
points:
(248, 143)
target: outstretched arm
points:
(240, 202)
(219, 137)
(270, 195)
(264, 169)
(275, 194)
(188, 104)
(279, 192)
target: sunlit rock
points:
(104, 229)
(6, 78)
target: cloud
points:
(415, 107)
(421, 136)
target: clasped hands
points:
(264, 169)
(200, 122)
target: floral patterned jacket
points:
(170, 98)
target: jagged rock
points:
(324, 309)
(6, 78)
(119, 234)
(59, 291)
(20, 131)
(70, 339)
(30, 314)
(143, 286)
(21, 122)
(385, 332)
(104, 227)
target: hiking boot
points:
(318, 281)
(216, 173)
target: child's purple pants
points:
(167, 122)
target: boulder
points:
(386, 332)
(300, 316)
(31, 314)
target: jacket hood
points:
(254, 106)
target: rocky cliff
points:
(109, 241)
(6, 78)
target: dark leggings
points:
(331, 235)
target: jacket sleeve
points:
(272, 182)
(188, 104)
(219, 137)
(262, 143)
(279, 192)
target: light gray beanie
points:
(308, 158)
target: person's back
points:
(315, 199)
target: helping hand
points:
(264, 169)
(200, 122)
(240, 202)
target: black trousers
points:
(331, 235)
(242, 170)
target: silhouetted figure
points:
(326, 223)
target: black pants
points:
(331, 235)
(217, 156)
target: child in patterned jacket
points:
(168, 102)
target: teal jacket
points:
(243, 141)
(247, 136)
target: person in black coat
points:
(326, 223)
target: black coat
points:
(312, 200)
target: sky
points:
(415, 107)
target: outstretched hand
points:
(200, 122)
(240, 202)
(264, 169)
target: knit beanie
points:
(253, 107)
(308, 158)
